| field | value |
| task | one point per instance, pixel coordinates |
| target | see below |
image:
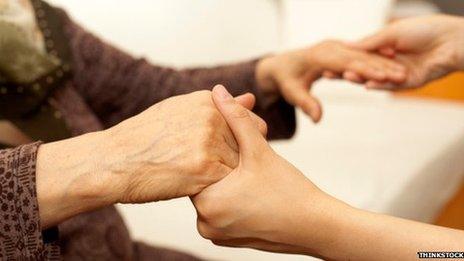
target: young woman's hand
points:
(291, 74)
(430, 47)
(266, 203)
(261, 203)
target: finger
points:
(353, 77)
(227, 151)
(366, 70)
(295, 93)
(331, 75)
(247, 100)
(238, 118)
(377, 68)
(394, 70)
(388, 52)
(377, 41)
(259, 123)
(381, 85)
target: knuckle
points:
(207, 133)
(202, 162)
(213, 117)
(208, 125)
(202, 97)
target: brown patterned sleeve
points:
(20, 233)
(117, 86)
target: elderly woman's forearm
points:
(71, 179)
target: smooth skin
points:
(266, 203)
(429, 47)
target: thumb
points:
(239, 120)
(295, 93)
(380, 40)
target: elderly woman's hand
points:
(175, 148)
(291, 74)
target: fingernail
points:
(222, 92)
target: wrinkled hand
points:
(291, 74)
(175, 148)
(429, 47)
(256, 204)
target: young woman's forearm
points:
(350, 233)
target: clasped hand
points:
(262, 197)
(220, 158)
(183, 145)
